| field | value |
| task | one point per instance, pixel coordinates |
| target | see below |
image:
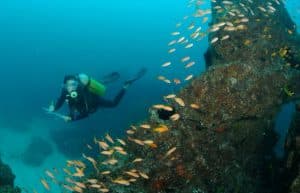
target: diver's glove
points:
(67, 118)
(51, 107)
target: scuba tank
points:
(96, 87)
(92, 85)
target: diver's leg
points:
(112, 103)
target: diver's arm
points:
(60, 101)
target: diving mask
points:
(71, 86)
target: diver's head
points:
(71, 83)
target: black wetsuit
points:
(85, 102)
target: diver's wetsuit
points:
(86, 102)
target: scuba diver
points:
(84, 95)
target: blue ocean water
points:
(43, 40)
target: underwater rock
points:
(37, 152)
(6, 175)
(7, 180)
(291, 171)
(67, 143)
(9, 189)
(239, 96)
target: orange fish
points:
(179, 101)
(137, 160)
(130, 132)
(80, 184)
(161, 129)
(143, 175)
(92, 181)
(109, 138)
(190, 64)
(45, 184)
(132, 180)
(103, 145)
(137, 141)
(145, 126)
(68, 187)
(153, 145)
(166, 64)
(104, 190)
(169, 152)
(122, 152)
(194, 106)
(175, 117)
(118, 148)
(164, 107)
(109, 152)
(148, 142)
(122, 142)
(170, 96)
(105, 172)
(110, 161)
(92, 160)
(95, 186)
(176, 81)
(189, 77)
(49, 174)
(185, 59)
(79, 172)
(133, 127)
(77, 189)
(133, 174)
(89, 147)
(121, 182)
(67, 171)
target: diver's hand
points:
(51, 108)
(67, 118)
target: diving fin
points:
(139, 75)
(110, 78)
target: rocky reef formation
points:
(70, 146)
(37, 151)
(225, 145)
(7, 180)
